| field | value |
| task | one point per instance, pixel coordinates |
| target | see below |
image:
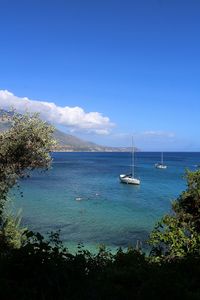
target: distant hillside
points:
(71, 143)
(67, 142)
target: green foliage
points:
(178, 235)
(173, 239)
(11, 232)
(25, 146)
(187, 206)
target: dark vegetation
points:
(32, 267)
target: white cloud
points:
(148, 134)
(161, 134)
(74, 118)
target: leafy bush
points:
(178, 235)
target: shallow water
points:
(81, 195)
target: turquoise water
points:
(81, 195)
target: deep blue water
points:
(82, 196)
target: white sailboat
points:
(161, 164)
(130, 178)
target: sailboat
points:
(161, 164)
(130, 178)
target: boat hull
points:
(129, 179)
(160, 166)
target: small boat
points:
(130, 178)
(161, 164)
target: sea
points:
(82, 197)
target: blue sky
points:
(135, 63)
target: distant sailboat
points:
(161, 164)
(130, 178)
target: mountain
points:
(71, 143)
(68, 142)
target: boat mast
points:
(132, 161)
(162, 158)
